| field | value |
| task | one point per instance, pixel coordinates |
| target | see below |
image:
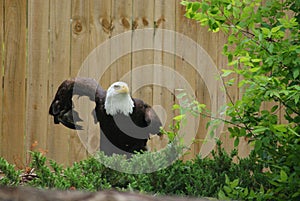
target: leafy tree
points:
(263, 49)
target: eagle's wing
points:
(61, 107)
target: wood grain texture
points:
(119, 47)
(204, 40)
(189, 29)
(101, 28)
(100, 32)
(141, 76)
(1, 66)
(58, 38)
(14, 80)
(59, 69)
(37, 74)
(164, 18)
(80, 20)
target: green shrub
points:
(85, 175)
(8, 174)
(198, 177)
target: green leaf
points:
(253, 70)
(294, 132)
(231, 39)
(181, 95)
(275, 29)
(179, 117)
(262, 190)
(296, 72)
(259, 129)
(242, 83)
(236, 12)
(233, 62)
(236, 141)
(230, 82)
(297, 194)
(227, 189)
(205, 7)
(274, 108)
(271, 48)
(227, 181)
(280, 128)
(184, 3)
(226, 72)
(222, 196)
(258, 145)
(246, 192)
(256, 60)
(229, 6)
(176, 107)
(265, 31)
(214, 10)
(234, 183)
(195, 6)
(283, 176)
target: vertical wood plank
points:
(203, 97)
(164, 18)
(1, 66)
(14, 80)
(213, 45)
(142, 17)
(205, 40)
(79, 51)
(202, 93)
(101, 27)
(142, 80)
(121, 15)
(59, 67)
(189, 29)
(37, 74)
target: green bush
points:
(8, 174)
(198, 177)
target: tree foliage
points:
(263, 50)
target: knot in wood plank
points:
(139, 23)
(125, 22)
(78, 25)
(135, 24)
(106, 24)
(158, 22)
(145, 21)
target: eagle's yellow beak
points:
(124, 90)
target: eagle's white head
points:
(118, 99)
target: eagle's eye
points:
(117, 87)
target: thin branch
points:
(224, 120)
(232, 102)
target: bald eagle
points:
(125, 122)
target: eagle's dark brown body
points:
(120, 134)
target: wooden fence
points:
(46, 42)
